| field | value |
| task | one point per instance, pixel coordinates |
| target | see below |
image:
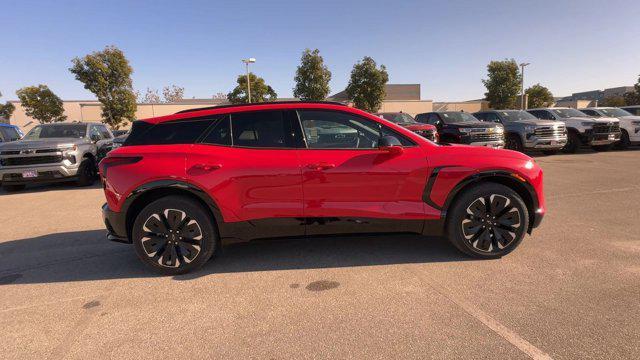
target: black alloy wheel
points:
(174, 235)
(487, 220)
(491, 223)
(171, 238)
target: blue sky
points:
(443, 45)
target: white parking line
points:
(506, 333)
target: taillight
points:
(112, 161)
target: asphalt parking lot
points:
(572, 290)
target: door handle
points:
(321, 166)
(207, 167)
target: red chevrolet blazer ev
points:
(184, 184)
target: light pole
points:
(247, 62)
(522, 65)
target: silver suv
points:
(629, 124)
(53, 153)
(582, 129)
(524, 131)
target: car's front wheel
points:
(488, 220)
(174, 235)
(87, 172)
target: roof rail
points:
(261, 103)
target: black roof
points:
(261, 103)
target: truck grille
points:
(486, 137)
(31, 160)
(550, 131)
(606, 128)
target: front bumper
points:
(499, 144)
(46, 173)
(602, 139)
(545, 143)
(116, 225)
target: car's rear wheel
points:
(174, 235)
(87, 172)
(487, 221)
(13, 187)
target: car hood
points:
(479, 125)
(603, 120)
(454, 150)
(42, 144)
(417, 126)
(537, 122)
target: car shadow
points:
(37, 188)
(88, 256)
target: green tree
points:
(503, 84)
(172, 93)
(260, 91)
(107, 74)
(312, 77)
(633, 97)
(40, 103)
(366, 86)
(7, 109)
(539, 96)
(613, 101)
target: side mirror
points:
(390, 144)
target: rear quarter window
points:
(168, 133)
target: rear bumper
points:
(116, 225)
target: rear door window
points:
(170, 132)
(261, 129)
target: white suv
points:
(599, 133)
(629, 123)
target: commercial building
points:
(400, 97)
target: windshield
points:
(56, 131)
(452, 117)
(615, 112)
(516, 115)
(567, 113)
(398, 118)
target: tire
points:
(624, 142)
(573, 143)
(13, 188)
(87, 173)
(602, 147)
(549, 152)
(503, 231)
(514, 143)
(167, 252)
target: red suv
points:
(184, 184)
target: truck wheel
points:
(487, 221)
(602, 147)
(573, 143)
(174, 235)
(86, 173)
(514, 143)
(624, 142)
(13, 188)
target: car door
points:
(249, 163)
(349, 185)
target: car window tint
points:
(104, 132)
(261, 129)
(171, 132)
(220, 134)
(9, 134)
(339, 130)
